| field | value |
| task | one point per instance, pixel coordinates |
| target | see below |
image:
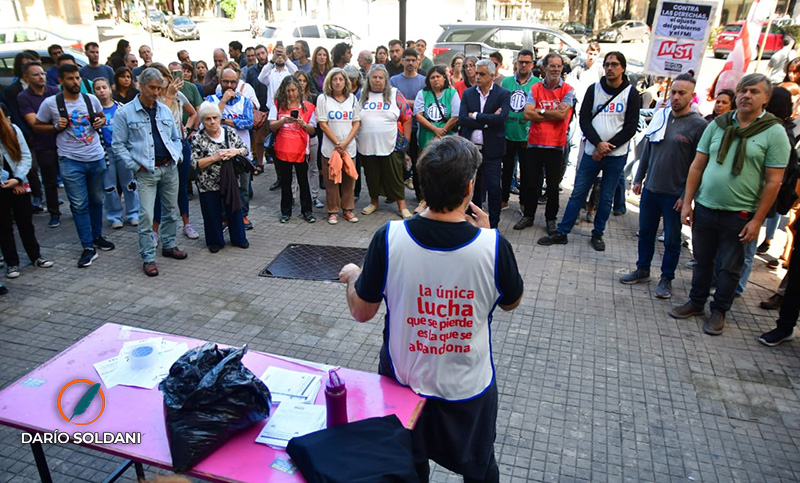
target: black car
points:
(579, 31)
(7, 61)
(482, 38)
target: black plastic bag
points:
(209, 396)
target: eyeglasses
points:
(606, 65)
(524, 62)
(410, 61)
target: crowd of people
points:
(131, 140)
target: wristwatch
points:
(541, 111)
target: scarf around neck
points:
(732, 132)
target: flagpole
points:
(763, 43)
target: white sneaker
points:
(190, 232)
(116, 225)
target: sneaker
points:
(87, 257)
(543, 200)
(715, 324)
(422, 206)
(190, 232)
(248, 225)
(659, 237)
(349, 216)
(776, 336)
(318, 203)
(134, 222)
(116, 225)
(309, 217)
(43, 263)
(504, 206)
(554, 239)
(773, 302)
(12, 271)
(410, 184)
(333, 219)
(514, 190)
(686, 310)
(763, 248)
(369, 209)
(38, 210)
(664, 289)
(55, 220)
(405, 213)
(285, 218)
(552, 227)
(636, 276)
(774, 263)
(597, 242)
(103, 244)
(691, 264)
(523, 223)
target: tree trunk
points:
(269, 14)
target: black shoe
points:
(214, 248)
(38, 210)
(597, 242)
(103, 244)
(763, 248)
(543, 200)
(636, 276)
(686, 310)
(523, 223)
(554, 239)
(244, 245)
(3, 289)
(285, 218)
(776, 336)
(275, 185)
(551, 227)
(772, 303)
(87, 257)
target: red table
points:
(30, 404)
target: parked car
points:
(30, 37)
(315, 33)
(180, 28)
(625, 31)
(156, 19)
(579, 31)
(482, 38)
(723, 45)
(9, 51)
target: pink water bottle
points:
(335, 399)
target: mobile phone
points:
(294, 113)
(177, 74)
(279, 43)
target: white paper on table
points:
(291, 421)
(291, 386)
(117, 370)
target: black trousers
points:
(413, 153)
(550, 161)
(790, 307)
(33, 177)
(285, 174)
(513, 148)
(48, 162)
(17, 208)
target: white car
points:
(30, 37)
(315, 33)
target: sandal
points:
(258, 169)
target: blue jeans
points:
(117, 172)
(589, 169)
(164, 178)
(619, 195)
(652, 207)
(715, 237)
(747, 266)
(212, 208)
(83, 183)
(772, 225)
(183, 184)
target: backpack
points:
(62, 107)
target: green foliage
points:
(793, 30)
(229, 7)
(714, 33)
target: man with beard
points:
(395, 64)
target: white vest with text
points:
(609, 122)
(439, 306)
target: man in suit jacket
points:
(483, 114)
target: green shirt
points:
(516, 125)
(721, 190)
(190, 91)
(426, 65)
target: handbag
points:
(259, 118)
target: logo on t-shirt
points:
(434, 113)
(340, 115)
(80, 127)
(518, 98)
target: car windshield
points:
(733, 28)
(183, 21)
(269, 32)
(467, 34)
(616, 25)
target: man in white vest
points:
(437, 337)
(609, 117)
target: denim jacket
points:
(132, 141)
(19, 170)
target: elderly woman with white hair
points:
(213, 151)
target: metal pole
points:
(403, 22)
(763, 43)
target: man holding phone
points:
(732, 189)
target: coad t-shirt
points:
(340, 117)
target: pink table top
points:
(31, 404)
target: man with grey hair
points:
(146, 53)
(482, 117)
(131, 61)
(364, 62)
(211, 80)
(148, 141)
(733, 181)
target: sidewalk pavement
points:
(596, 382)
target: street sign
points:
(680, 37)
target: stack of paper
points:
(291, 386)
(292, 420)
(118, 370)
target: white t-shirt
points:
(340, 117)
(377, 134)
(79, 141)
